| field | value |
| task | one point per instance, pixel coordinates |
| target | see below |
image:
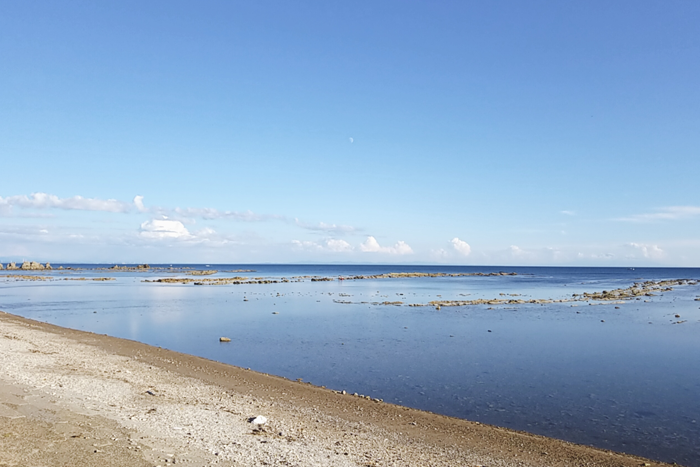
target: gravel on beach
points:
(75, 398)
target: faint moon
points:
(351, 139)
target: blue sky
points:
(533, 133)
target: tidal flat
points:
(572, 353)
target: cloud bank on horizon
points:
(170, 234)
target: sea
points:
(618, 376)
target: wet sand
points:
(75, 398)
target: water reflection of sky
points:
(556, 369)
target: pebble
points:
(224, 339)
(259, 420)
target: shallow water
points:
(630, 383)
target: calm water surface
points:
(630, 383)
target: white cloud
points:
(647, 251)
(44, 201)
(461, 246)
(328, 228)
(666, 213)
(331, 245)
(164, 228)
(371, 245)
(205, 232)
(76, 203)
(211, 213)
(138, 202)
(568, 213)
(401, 248)
(338, 245)
(306, 245)
(515, 250)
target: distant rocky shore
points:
(27, 266)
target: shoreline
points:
(187, 409)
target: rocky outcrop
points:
(207, 272)
(1, 267)
(32, 266)
(48, 266)
(140, 267)
(12, 267)
(404, 275)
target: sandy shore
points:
(79, 399)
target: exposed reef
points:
(207, 272)
(636, 290)
(140, 267)
(24, 277)
(262, 280)
(217, 281)
(404, 275)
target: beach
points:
(70, 397)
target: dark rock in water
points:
(143, 266)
